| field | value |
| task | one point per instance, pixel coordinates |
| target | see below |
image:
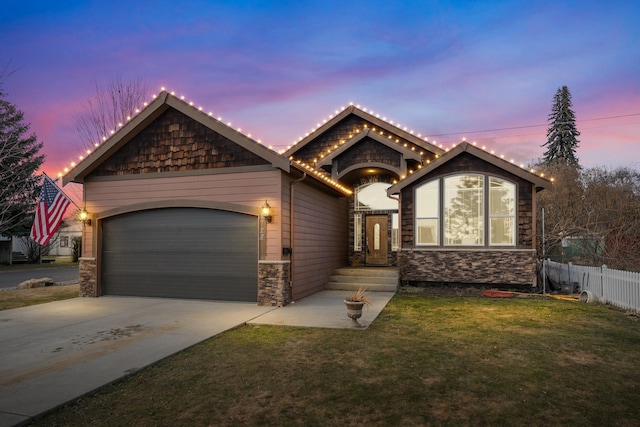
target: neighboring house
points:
(175, 199)
(62, 242)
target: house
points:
(62, 242)
(182, 205)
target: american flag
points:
(51, 207)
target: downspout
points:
(291, 239)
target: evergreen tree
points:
(562, 134)
(19, 161)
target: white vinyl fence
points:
(616, 287)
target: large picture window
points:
(465, 210)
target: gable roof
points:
(378, 122)
(160, 104)
(464, 147)
(408, 154)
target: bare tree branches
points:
(109, 109)
(597, 208)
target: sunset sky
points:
(484, 70)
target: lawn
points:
(24, 297)
(427, 360)
(60, 262)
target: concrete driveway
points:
(52, 353)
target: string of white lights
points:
(318, 125)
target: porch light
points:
(84, 217)
(266, 212)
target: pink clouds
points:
(277, 70)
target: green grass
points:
(60, 262)
(424, 361)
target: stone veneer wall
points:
(513, 267)
(273, 283)
(88, 277)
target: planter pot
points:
(354, 311)
(589, 297)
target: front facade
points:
(469, 217)
(175, 199)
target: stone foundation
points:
(88, 277)
(512, 267)
(273, 283)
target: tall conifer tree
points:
(19, 161)
(562, 134)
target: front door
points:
(376, 230)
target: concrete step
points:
(373, 279)
(370, 280)
(367, 271)
(344, 286)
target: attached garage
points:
(175, 202)
(181, 253)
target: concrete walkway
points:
(324, 309)
(54, 353)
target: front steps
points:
(374, 279)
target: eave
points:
(464, 147)
(379, 123)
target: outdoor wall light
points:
(266, 212)
(84, 217)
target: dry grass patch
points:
(60, 262)
(25, 297)
(425, 361)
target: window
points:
(427, 201)
(395, 236)
(64, 241)
(357, 232)
(502, 209)
(464, 213)
(373, 196)
(463, 210)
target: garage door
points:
(181, 253)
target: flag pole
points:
(58, 187)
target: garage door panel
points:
(181, 253)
